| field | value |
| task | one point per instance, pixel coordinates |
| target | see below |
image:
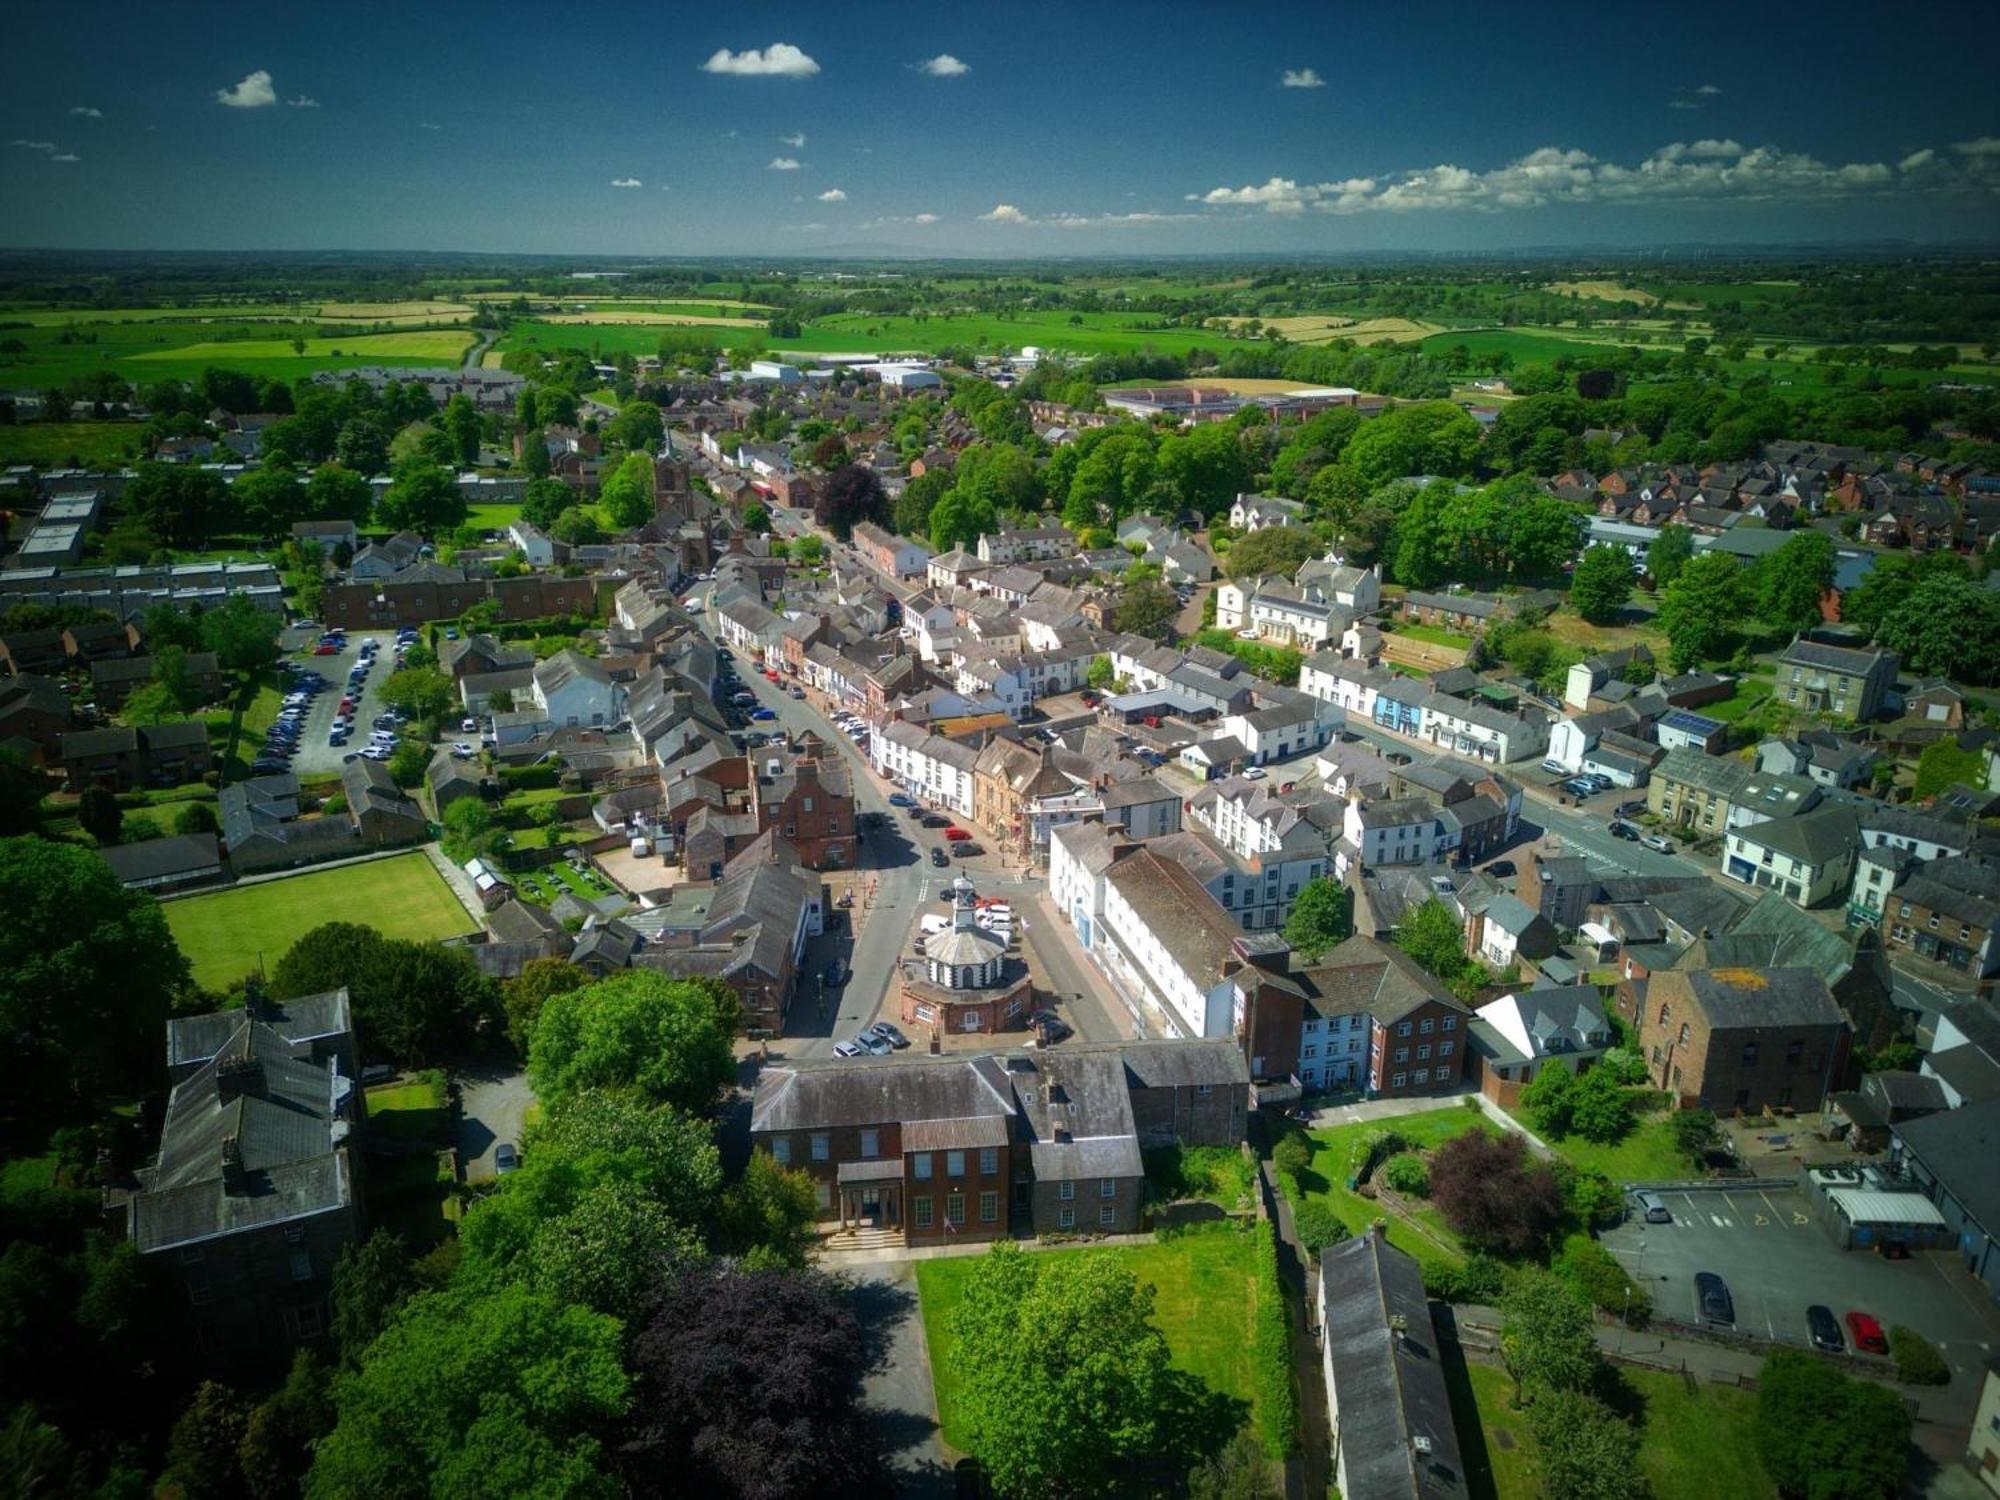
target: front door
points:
(1022, 1187)
(871, 1207)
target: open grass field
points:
(647, 317)
(146, 352)
(1646, 1155)
(1693, 1444)
(434, 346)
(1324, 328)
(230, 933)
(1205, 1303)
(1423, 1236)
(1605, 291)
(53, 444)
(1247, 385)
(225, 312)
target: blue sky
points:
(1089, 128)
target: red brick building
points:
(1375, 1019)
(1738, 1040)
(808, 801)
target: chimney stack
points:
(235, 1181)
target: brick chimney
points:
(235, 1181)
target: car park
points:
(1712, 1300)
(1652, 1207)
(1824, 1329)
(1866, 1334)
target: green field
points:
(142, 353)
(1648, 1154)
(1697, 1444)
(1425, 1235)
(1205, 1283)
(57, 444)
(231, 933)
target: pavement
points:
(493, 1107)
(897, 1390)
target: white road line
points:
(1719, 1221)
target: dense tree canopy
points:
(424, 497)
(414, 1002)
(1828, 1435)
(1493, 1194)
(627, 492)
(848, 496)
(666, 1039)
(1602, 583)
(1702, 608)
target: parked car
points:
(1255, 773)
(901, 799)
(833, 974)
(937, 857)
(1824, 1329)
(763, 715)
(1712, 1299)
(1658, 842)
(462, 750)
(967, 850)
(1652, 1207)
(468, 726)
(1555, 766)
(1866, 1333)
(956, 835)
(1049, 1027)
(935, 820)
(887, 1030)
(1630, 809)
(505, 1159)
(878, 1046)
(796, 692)
(848, 1049)
(1624, 831)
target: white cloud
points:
(1708, 91)
(833, 195)
(814, 228)
(1005, 213)
(1682, 104)
(944, 65)
(427, 125)
(888, 219)
(924, 219)
(254, 92)
(1301, 78)
(304, 101)
(795, 140)
(35, 145)
(66, 156)
(1709, 168)
(1983, 148)
(783, 164)
(779, 60)
(88, 112)
(1916, 161)
(626, 182)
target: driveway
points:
(898, 1392)
(1777, 1261)
(493, 1107)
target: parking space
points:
(1777, 1261)
(316, 758)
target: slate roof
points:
(1833, 658)
(1959, 1147)
(196, 1039)
(1388, 1375)
(1752, 997)
(152, 859)
(1365, 974)
(1813, 838)
(1178, 910)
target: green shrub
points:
(1917, 1359)
(1374, 1148)
(1479, 1278)
(1278, 1398)
(1593, 1199)
(1292, 1155)
(1595, 1272)
(1318, 1226)
(1408, 1175)
(529, 778)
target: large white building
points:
(930, 766)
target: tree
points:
(1827, 1435)
(850, 495)
(197, 817)
(1602, 583)
(637, 426)
(269, 498)
(423, 498)
(1545, 1336)
(1587, 1451)
(21, 790)
(1318, 1225)
(87, 972)
(1322, 916)
(1493, 1194)
(637, 1030)
(467, 824)
(338, 493)
(524, 995)
(1077, 1332)
(1434, 938)
(179, 505)
(150, 703)
(1701, 609)
(407, 764)
(1947, 625)
(1550, 1100)
(461, 429)
(627, 494)
(1274, 549)
(1431, 437)
(1945, 763)
(425, 691)
(1147, 608)
(1791, 581)
(371, 1281)
(1100, 673)
(100, 816)
(770, 1213)
(913, 507)
(243, 637)
(412, 1001)
(1239, 1472)
(544, 500)
(276, 1449)
(1420, 555)
(747, 1383)
(1669, 553)
(501, 1391)
(1695, 1133)
(361, 447)
(577, 526)
(1602, 1110)
(756, 518)
(202, 1461)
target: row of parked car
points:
(878, 1040)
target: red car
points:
(326, 650)
(771, 674)
(1866, 1334)
(957, 835)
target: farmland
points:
(61, 443)
(230, 933)
(142, 353)
(1325, 329)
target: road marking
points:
(1773, 1207)
(1719, 1221)
(1759, 1220)
(1799, 1218)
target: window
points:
(1107, 1216)
(1663, 1013)
(954, 1164)
(295, 1234)
(1422, 1075)
(190, 1254)
(1066, 1189)
(1749, 1054)
(1425, 1026)
(1450, 1023)
(954, 1208)
(200, 1293)
(1066, 1218)
(921, 1165)
(305, 1321)
(1684, 1034)
(781, 1150)
(302, 1265)
(989, 1160)
(1402, 1054)
(871, 1143)
(1403, 1028)
(1424, 1052)
(821, 1145)
(922, 1208)
(823, 1194)
(1795, 1050)
(1399, 1080)
(1203, 1090)
(1107, 1187)
(1444, 1048)
(989, 1208)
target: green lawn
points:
(1646, 1155)
(142, 353)
(230, 933)
(1333, 1151)
(1206, 1292)
(236, 732)
(550, 881)
(1694, 1445)
(1214, 1173)
(413, 1111)
(1434, 635)
(59, 444)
